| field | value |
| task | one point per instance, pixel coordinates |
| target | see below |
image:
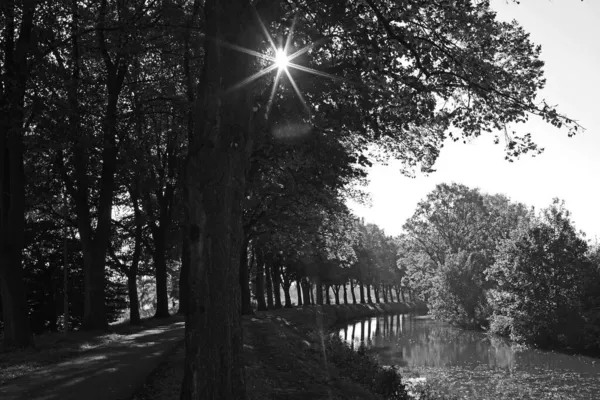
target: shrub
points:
(360, 367)
(500, 325)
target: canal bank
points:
(288, 355)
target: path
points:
(111, 372)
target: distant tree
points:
(459, 290)
(539, 272)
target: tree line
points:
(133, 142)
(484, 261)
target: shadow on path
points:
(111, 372)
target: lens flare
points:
(281, 59)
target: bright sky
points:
(568, 32)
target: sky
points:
(568, 32)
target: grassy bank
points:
(289, 355)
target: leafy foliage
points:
(540, 273)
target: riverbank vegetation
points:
(484, 261)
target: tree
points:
(539, 273)
(459, 293)
(18, 42)
(217, 164)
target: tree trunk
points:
(286, 291)
(299, 292)
(306, 292)
(217, 167)
(369, 300)
(384, 293)
(134, 303)
(319, 291)
(336, 292)
(260, 279)
(17, 330)
(376, 293)
(327, 295)
(352, 291)
(160, 274)
(245, 279)
(397, 290)
(276, 284)
(96, 243)
(184, 271)
(362, 293)
(269, 282)
(311, 294)
(345, 294)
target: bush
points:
(500, 325)
(362, 368)
(458, 293)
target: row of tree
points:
(344, 261)
(481, 260)
(131, 136)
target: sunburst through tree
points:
(281, 62)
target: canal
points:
(471, 363)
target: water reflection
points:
(406, 340)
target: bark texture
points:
(217, 164)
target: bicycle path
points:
(111, 372)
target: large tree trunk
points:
(384, 293)
(352, 291)
(260, 279)
(245, 279)
(369, 300)
(217, 167)
(17, 331)
(299, 292)
(376, 293)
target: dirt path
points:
(111, 372)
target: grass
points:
(52, 348)
(287, 355)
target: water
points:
(472, 364)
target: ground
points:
(283, 354)
(283, 361)
(87, 365)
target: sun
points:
(281, 59)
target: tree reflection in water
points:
(461, 357)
